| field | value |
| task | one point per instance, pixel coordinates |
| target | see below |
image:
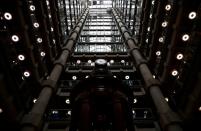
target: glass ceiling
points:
(100, 33)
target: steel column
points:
(170, 121)
(33, 120)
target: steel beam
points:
(169, 120)
(33, 120)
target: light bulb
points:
(74, 77)
(164, 24)
(21, 57)
(158, 53)
(179, 56)
(36, 25)
(78, 61)
(34, 100)
(32, 7)
(67, 101)
(192, 15)
(122, 61)
(161, 39)
(185, 37)
(15, 38)
(42, 53)
(8, 16)
(174, 73)
(27, 74)
(127, 77)
(135, 100)
(39, 40)
(168, 7)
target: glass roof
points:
(100, 33)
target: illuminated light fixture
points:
(89, 61)
(150, 16)
(127, 77)
(78, 61)
(164, 24)
(135, 100)
(34, 100)
(67, 101)
(152, 2)
(27, 74)
(69, 113)
(36, 25)
(133, 111)
(154, 76)
(52, 29)
(39, 40)
(49, 16)
(111, 61)
(199, 109)
(1, 110)
(42, 53)
(47, 2)
(55, 112)
(8, 16)
(86, 76)
(168, 7)
(192, 15)
(122, 61)
(15, 38)
(115, 76)
(32, 8)
(180, 56)
(148, 29)
(74, 77)
(93, 64)
(54, 41)
(166, 99)
(147, 40)
(158, 53)
(185, 37)
(108, 64)
(174, 73)
(161, 39)
(21, 57)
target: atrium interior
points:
(100, 65)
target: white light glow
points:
(111, 61)
(127, 77)
(78, 61)
(34, 100)
(27, 74)
(15, 38)
(69, 113)
(168, 7)
(8, 16)
(42, 53)
(164, 24)
(158, 53)
(135, 100)
(39, 40)
(199, 109)
(166, 99)
(32, 7)
(192, 15)
(36, 25)
(179, 56)
(122, 61)
(161, 39)
(21, 57)
(74, 77)
(89, 61)
(1, 110)
(67, 101)
(185, 37)
(174, 73)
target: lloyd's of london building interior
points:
(100, 65)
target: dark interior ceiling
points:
(47, 47)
